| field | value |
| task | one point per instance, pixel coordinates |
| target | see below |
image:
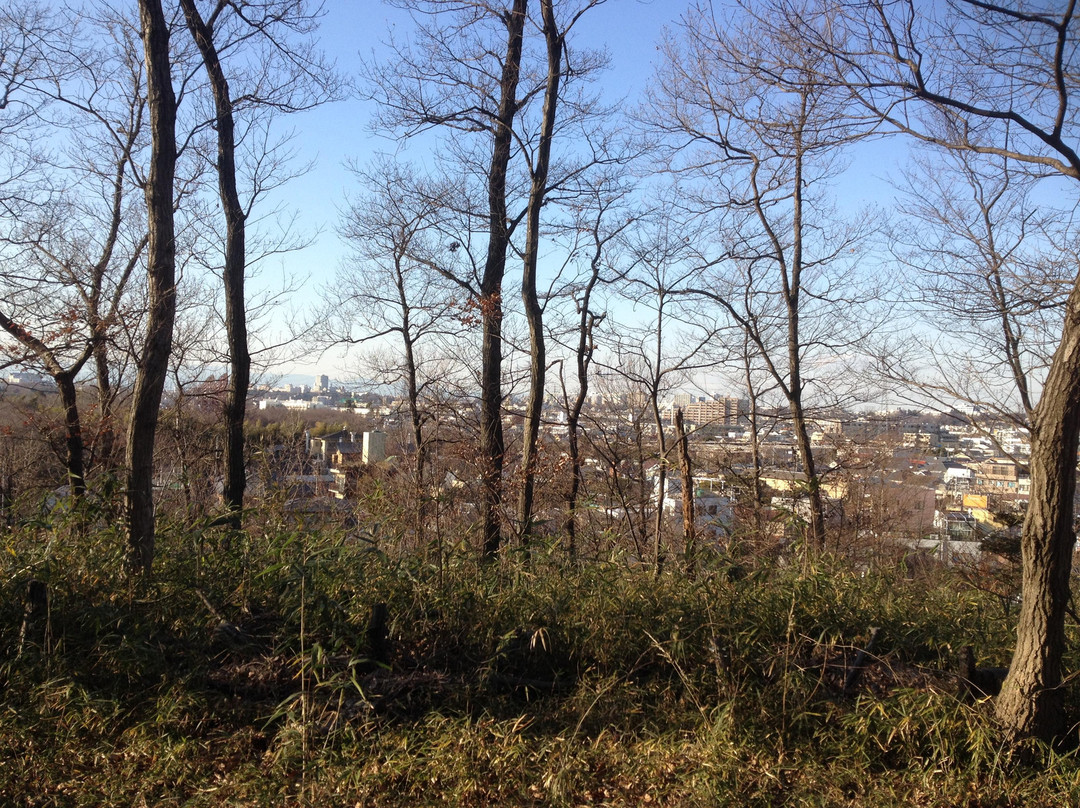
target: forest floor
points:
(289, 668)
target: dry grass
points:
(242, 675)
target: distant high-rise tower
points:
(324, 383)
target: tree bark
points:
(1031, 703)
(927, 58)
(661, 477)
(792, 293)
(686, 472)
(755, 441)
(492, 443)
(529, 297)
(161, 289)
(583, 357)
(416, 418)
(574, 446)
(75, 450)
(816, 532)
(234, 268)
(106, 441)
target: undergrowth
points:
(257, 669)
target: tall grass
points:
(243, 673)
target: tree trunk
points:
(74, 441)
(658, 519)
(416, 419)
(233, 271)
(755, 442)
(572, 421)
(161, 288)
(639, 532)
(75, 453)
(492, 445)
(529, 297)
(687, 475)
(583, 359)
(1031, 703)
(792, 293)
(106, 441)
(573, 418)
(661, 479)
(816, 532)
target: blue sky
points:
(629, 29)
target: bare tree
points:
(25, 30)
(665, 346)
(191, 433)
(390, 290)
(601, 218)
(28, 463)
(72, 252)
(289, 76)
(161, 297)
(202, 31)
(760, 386)
(989, 275)
(462, 73)
(561, 69)
(754, 137)
(686, 477)
(1001, 78)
